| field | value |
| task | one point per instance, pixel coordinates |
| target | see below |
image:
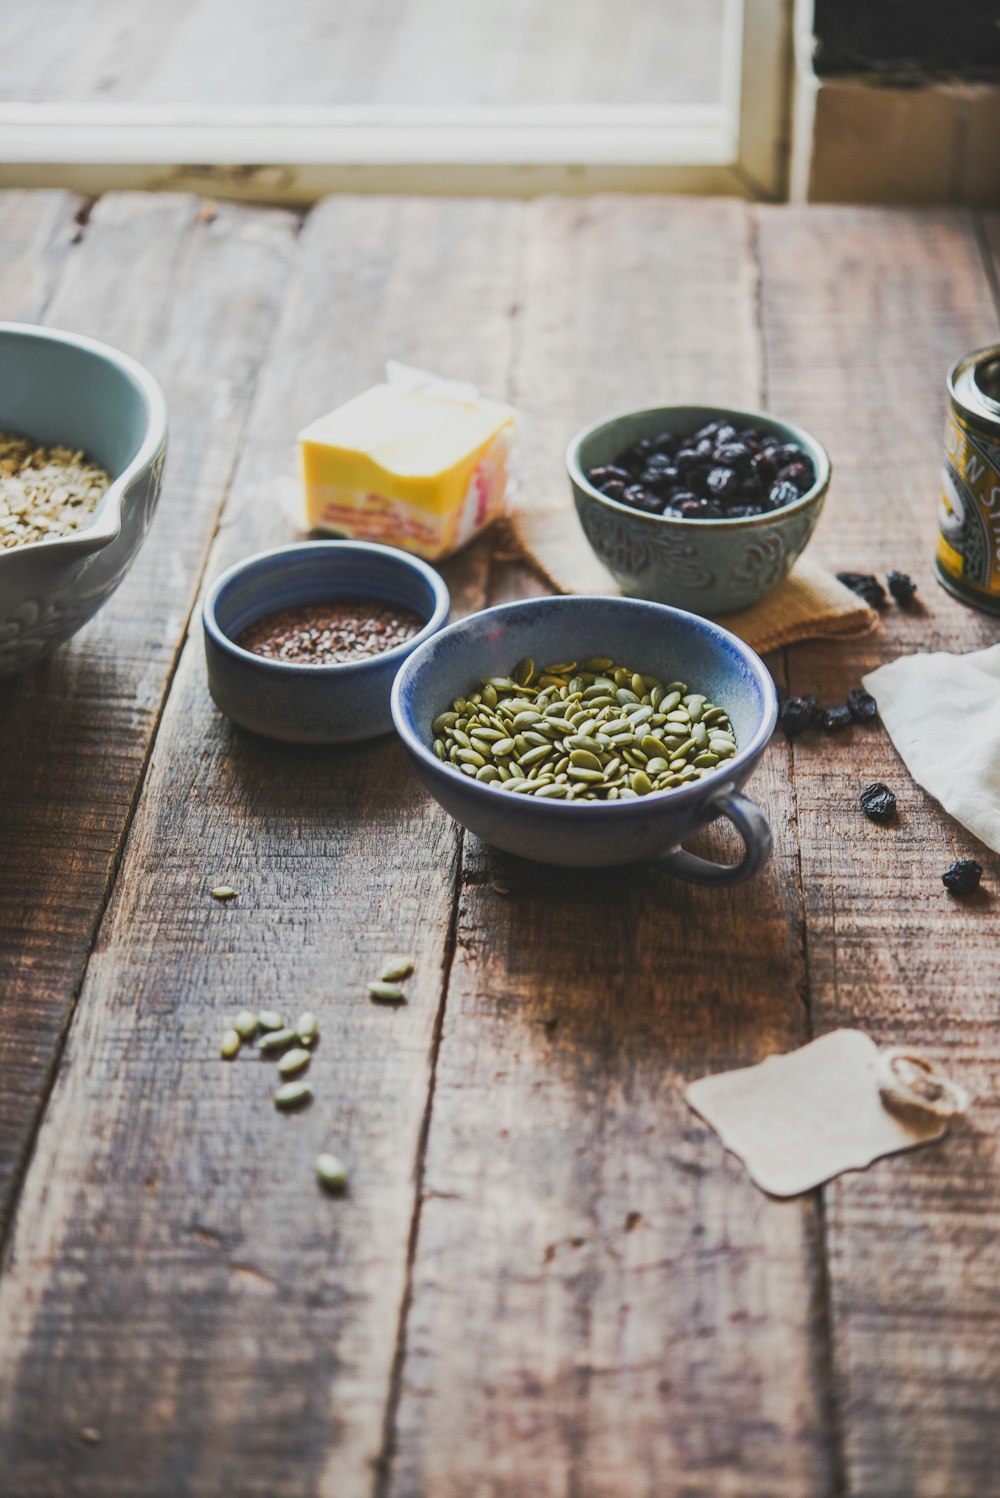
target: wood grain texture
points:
(37, 230)
(602, 1302)
(197, 301)
(864, 311)
(259, 1316)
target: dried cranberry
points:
(878, 803)
(962, 877)
(723, 482)
(641, 498)
(901, 587)
(690, 509)
(862, 705)
(710, 429)
(601, 476)
(788, 453)
(739, 512)
(733, 455)
(797, 714)
(614, 489)
(687, 457)
(835, 718)
(636, 455)
(762, 464)
(799, 474)
(865, 586)
(781, 494)
(659, 480)
(666, 442)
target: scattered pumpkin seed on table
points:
(270, 1019)
(224, 892)
(276, 1040)
(331, 1172)
(292, 1094)
(245, 1024)
(229, 1045)
(307, 1028)
(590, 732)
(293, 1061)
(387, 993)
(397, 967)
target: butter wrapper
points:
(414, 462)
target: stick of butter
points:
(408, 467)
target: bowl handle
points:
(751, 824)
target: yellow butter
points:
(407, 467)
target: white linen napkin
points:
(942, 712)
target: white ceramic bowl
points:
(59, 388)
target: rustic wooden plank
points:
(602, 1303)
(196, 299)
(240, 1333)
(36, 231)
(864, 310)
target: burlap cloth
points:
(810, 604)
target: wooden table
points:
(548, 1277)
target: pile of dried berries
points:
(716, 473)
(45, 492)
(799, 713)
(867, 586)
(329, 634)
(962, 877)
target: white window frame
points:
(295, 155)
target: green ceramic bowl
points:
(707, 566)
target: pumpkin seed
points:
(224, 892)
(605, 733)
(293, 1061)
(396, 968)
(292, 1095)
(270, 1019)
(229, 1045)
(387, 993)
(245, 1024)
(307, 1027)
(498, 886)
(331, 1172)
(276, 1040)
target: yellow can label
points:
(969, 513)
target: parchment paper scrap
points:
(800, 1119)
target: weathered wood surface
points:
(209, 52)
(548, 1277)
(196, 298)
(863, 313)
(588, 1268)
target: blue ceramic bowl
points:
(62, 389)
(314, 704)
(708, 566)
(661, 641)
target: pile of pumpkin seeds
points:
(292, 1045)
(596, 731)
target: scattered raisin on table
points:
(797, 714)
(901, 587)
(962, 877)
(862, 705)
(865, 586)
(835, 718)
(878, 803)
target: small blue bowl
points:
(650, 637)
(337, 704)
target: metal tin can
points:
(968, 549)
